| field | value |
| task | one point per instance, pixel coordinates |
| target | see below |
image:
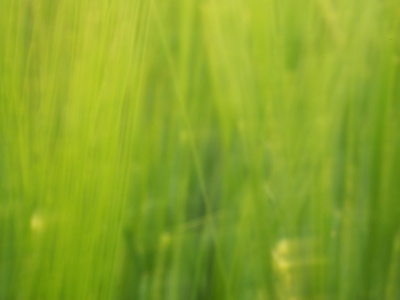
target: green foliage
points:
(199, 149)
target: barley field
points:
(200, 149)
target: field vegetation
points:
(200, 149)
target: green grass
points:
(199, 149)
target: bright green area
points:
(200, 149)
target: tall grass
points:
(199, 149)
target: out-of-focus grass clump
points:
(199, 149)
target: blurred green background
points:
(200, 149)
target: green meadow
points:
(200, 149)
